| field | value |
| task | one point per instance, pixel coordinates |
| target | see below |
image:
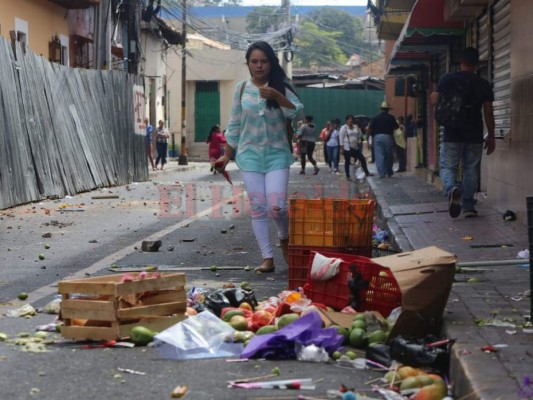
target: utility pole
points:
(133, 36)
(287, 67)
(102, 35)
(182, 159)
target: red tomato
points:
(261, 318)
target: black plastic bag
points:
(428, 351)
(219, 299)
(379, 353)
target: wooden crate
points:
(106, 307)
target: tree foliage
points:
(264, 19)
(351, 39)
(317, 46)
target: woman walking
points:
(257, 129)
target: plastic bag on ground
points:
(200, 336)
(232, 297)
(324, 268)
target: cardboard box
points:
(336, 318)
(425, 278)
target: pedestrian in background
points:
(351, 139)
(382, 128)
(323, 137)
(333, 147)
(464, 143)
(216, 141)
(307, 136)
(400, 145)
(161, 144)
(257, 129)
(148, 142)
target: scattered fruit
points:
(41, 256)
(239, 323)
(141, 335)
(336, 355)
(359, 323)
(231, 313)
(246, 306)
(47, 246)
(266, 329)
(357, 337)
(411, 382)
(213, 268)
(378, 336)
(407, 371)
(22, 296)
(392, 376)
(286, 319)
(351, 355)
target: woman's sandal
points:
(263, 269)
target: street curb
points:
(464, 371)
(398, 238)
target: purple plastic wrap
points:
(282, 345)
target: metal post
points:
(182, 160)
(530, 237)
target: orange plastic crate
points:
(331, 222)
(382, 294)
(299, 261)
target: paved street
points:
(202, 222)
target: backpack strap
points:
(242, 90)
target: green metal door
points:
(207, 109)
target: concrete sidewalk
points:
(416, 213)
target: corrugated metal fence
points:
(64, 131)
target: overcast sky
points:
(306, 2)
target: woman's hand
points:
(221, 163)
(269, 93)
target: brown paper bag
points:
(425, 278)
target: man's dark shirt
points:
(383, 123)
(472, 132)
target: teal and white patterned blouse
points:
(259, 134)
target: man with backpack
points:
(459, 99)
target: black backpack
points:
(454, 106)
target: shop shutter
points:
(483, 37)
(501, 65)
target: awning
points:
(424, 33)
(390, 16)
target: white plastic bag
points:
(203, 335)
(324, 268)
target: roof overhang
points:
(75, 4)
(463, 9)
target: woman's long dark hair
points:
(214, 128)
(277, 78)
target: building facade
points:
(425, 39)
(40, 25)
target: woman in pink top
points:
(215, 139)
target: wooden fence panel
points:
(63, 130)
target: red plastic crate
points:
(331, 222)
(299, 261)
(382, 294)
